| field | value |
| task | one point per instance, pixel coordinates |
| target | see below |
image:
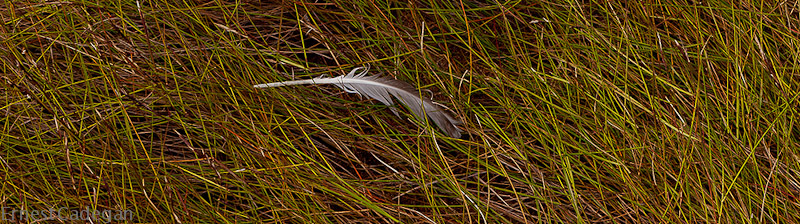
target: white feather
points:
(382, 89)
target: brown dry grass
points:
(599, 112)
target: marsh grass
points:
(598, 112)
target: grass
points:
(574, 112)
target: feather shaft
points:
(336, 80)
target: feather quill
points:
(382, 89)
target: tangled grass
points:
(574, 112)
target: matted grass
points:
(574, 112)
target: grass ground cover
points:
(573, 112)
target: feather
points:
(382, 89)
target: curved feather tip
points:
(383, 89)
